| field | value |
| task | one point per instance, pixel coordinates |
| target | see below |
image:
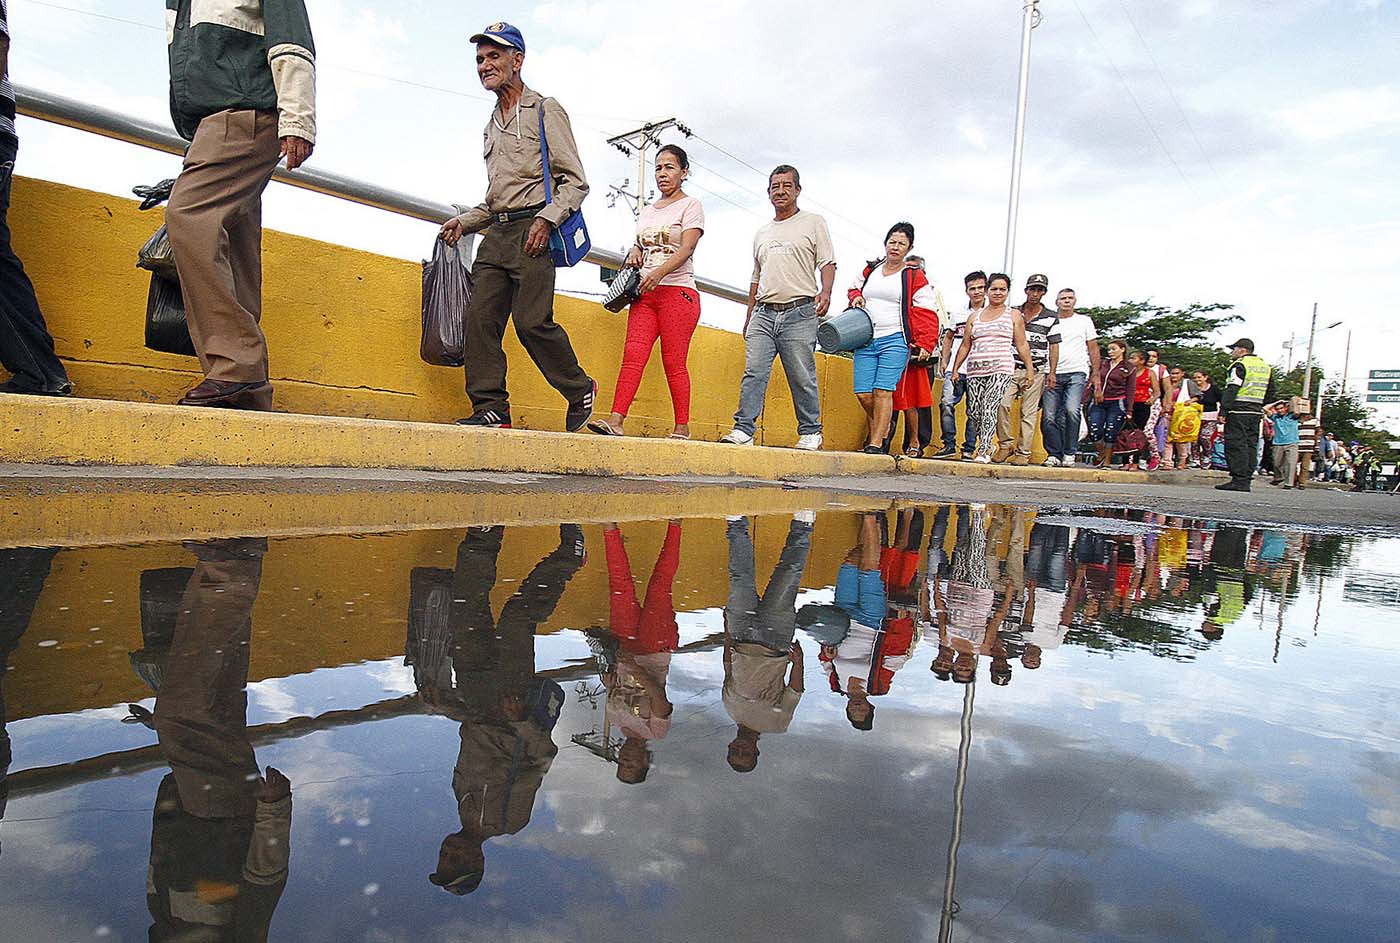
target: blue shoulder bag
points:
(568, 242)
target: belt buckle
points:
(502, 217)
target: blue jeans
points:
(1059, 414)
(792, 336)
(953, 391)
(1105, 419)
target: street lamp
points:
(1030, 19)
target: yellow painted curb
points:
(103, 432)
(934, 466)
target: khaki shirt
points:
(787, 254)
(514, 171)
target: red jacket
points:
(920, 321)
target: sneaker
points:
(805, 517)
(948, 452)
(983, 460)
(1153, 463)
(738, 437)
(488, 419)
(579, 413)
(1051, 462)
(812, 442)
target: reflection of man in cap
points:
(1249, 384)
(507, 712)
(513, 275)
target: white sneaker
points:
(983, 460)
(812, 442)
(1051, 462)
(805, 517)
(738, 437)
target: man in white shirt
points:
(1074, 364)
(785, 302)
(954, 387)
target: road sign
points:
(1385, 374)
(1383, 397)
(1382, 386)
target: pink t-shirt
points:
(659, 234)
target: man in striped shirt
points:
(1309, 433)
(26, 347)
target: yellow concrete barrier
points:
(343, 331)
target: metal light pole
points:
(1307, 374)
(1029, 20)
(1346, 363)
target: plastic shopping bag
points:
(447, 291)
(155, 255)
(1186, 423)
(166, 328)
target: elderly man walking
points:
(513, 275)
(243, 93)
(1074, 365)
(784, 304)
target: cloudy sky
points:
(1238, 151)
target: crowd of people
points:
(244, 96)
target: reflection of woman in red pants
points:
(669, 307)
(646, 634)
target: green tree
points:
(1180, 335)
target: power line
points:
(100, 16)
(1153, 59)
(1128, 88)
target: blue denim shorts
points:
(880, 363)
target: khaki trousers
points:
(215, 225)
(1030, 390)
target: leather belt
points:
(786, 305)
(510, 216)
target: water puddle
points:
(931, 723)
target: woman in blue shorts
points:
(905, 321)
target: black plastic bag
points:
(166, 328)
(447, 291)
(156, 256)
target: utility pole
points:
(641, 140)
(1346, 363)
(1030, 19)
(1307, 374)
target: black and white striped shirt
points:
(7, 91)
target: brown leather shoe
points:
(225, 395)
(1001, 454)
(1020, 460)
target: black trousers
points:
(1242, 444)
(26, 348)
(508, 283)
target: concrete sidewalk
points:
(105, 432)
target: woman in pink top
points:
(669, 308)
(986, 349)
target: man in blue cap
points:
(513, 274)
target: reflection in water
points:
(1093, 798)
(220, 834)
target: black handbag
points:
(624, 289)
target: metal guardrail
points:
(71, 113)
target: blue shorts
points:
(880, 363)
(862, 594)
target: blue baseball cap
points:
(502, 34)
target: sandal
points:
(912, 452)
(679, 437)
(602, 427)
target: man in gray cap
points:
(1249, 384)
(513, 275)
(1028, 382)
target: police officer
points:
(1249, 385)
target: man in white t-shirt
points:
(785, 301)
(1074, 364)
(954, 387)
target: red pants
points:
(643, 630)
(671, 313)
